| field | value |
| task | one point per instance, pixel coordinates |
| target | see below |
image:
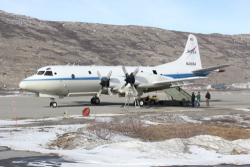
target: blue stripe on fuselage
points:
(174, 76)
(59, 79)
(178, 76)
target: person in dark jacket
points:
(193, 99)
(208, 97)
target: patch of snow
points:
(188, 119)
(243, 109)
(152, 123)
(124, 151)
(206, 118)
(226, 93)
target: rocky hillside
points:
(27, 44)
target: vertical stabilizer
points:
(190, 58)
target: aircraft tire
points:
(54, 104)
(152, 102)
(51, 105)
(96, 101)
(92, 100)
(141, 103)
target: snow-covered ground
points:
(120, 150)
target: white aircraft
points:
(70, 81)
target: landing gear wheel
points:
(96, 101)
(53, 104)
(141, 103)
(92, 100)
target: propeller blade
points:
(124, 70)
(109, 75)
(109, 92)
(136, 71)
(99, 93)
(123, 86)
(99, 75)
(134, 90)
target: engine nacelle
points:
(220, 70)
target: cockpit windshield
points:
(40, 73)
(48, 73)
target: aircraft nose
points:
(23, 85)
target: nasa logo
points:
(191, 63)
(193, 51)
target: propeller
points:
(130, 79)
(104, 83)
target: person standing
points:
(208, 97)
(193, 99)
(198, 98)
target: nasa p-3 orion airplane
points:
(70, 81)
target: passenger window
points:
(154, 71)
(73, 76)
(89, 72)
(48, 73)
(40, 72)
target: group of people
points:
(198, 97)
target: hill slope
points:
(27, 44)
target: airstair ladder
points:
(177, 93)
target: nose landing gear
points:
(53, 104)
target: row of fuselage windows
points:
(50, 73)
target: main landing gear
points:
(53, 104)
(95, 100)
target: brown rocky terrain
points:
(27, 44)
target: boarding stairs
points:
(178, 94)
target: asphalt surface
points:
(35, 107)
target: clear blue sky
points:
(197, 16)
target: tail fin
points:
(190, 57)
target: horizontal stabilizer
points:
(203, 70)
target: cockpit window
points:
(40, 73)
(48, 73)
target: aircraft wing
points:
(203, 70)
(177, 82)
